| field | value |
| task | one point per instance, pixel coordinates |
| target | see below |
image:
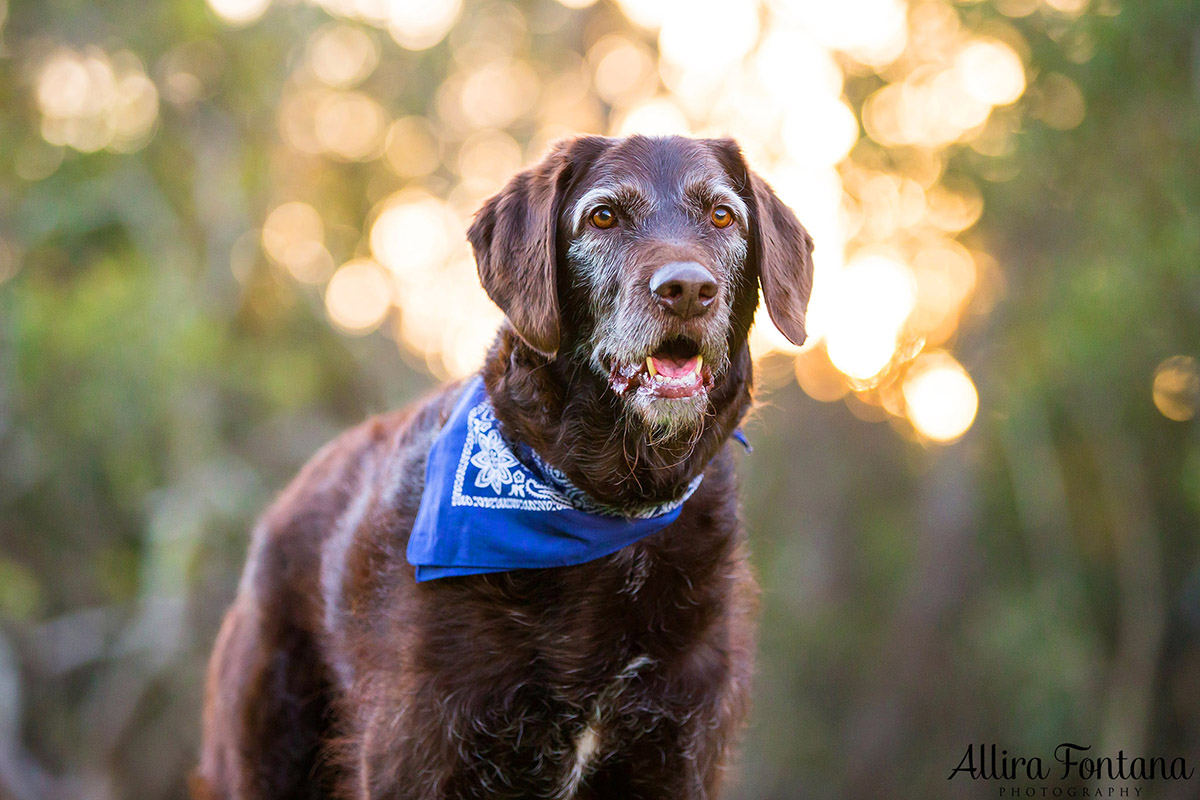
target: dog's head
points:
(641, 259)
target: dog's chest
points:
(599, 736)
(588, 678)
(641, 638)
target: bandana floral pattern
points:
(498, 479)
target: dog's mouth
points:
(676, 369)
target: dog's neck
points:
(574, 421)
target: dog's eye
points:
(604, 217)
(722, 216)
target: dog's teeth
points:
(699, 362)
(650, 367)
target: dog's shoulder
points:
(349, 478)
(352, 462)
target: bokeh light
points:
(940, 397)
(350, 125)
(414, 232)
(498, 93)
(867, 306)
(623, 69)
(411, 148)
(1059, 102)
(709, 38)
(486, 161)
(358, 296)
(342, 56)
(290, 222)
(420, 24)
(818, 377)
(90, 100)
(658, 116)
(991, 72)
(191, 71)
(293, 236)
(1068, 7)
(1176, 388)
(239, 12)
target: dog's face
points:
(656, 237)
(640, 259)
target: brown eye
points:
(722, 216)
(604, 217)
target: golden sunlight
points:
(350, 126)
(341, 55)
(991, 72)
(1177, 388)
(868, 303)
(91, 101)
(413, 232)
(239, 12)
(358, 296)
(420, 24)
(940, 397)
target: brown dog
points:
(629, 272)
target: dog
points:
(629, 273)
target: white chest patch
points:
(586, 746)
(590, 740)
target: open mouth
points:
(676, 369)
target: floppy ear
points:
(780, 248)
(515, 239)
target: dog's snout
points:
(684, 288)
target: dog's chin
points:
(670, 416)
(668, 389)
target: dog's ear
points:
(780, 248)
(515, 240)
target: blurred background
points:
(228, 230)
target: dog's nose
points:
(684, 288)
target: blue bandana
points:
(489, 508)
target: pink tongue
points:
(674, 367)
